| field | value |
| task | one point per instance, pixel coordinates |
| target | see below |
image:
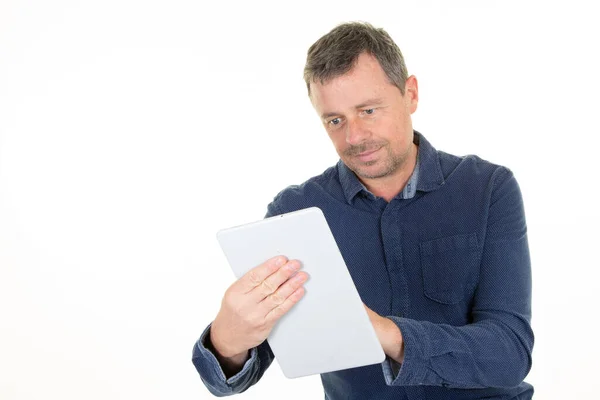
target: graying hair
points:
(335, 54)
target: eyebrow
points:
(370, 102)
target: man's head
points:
(336, 53)
(357, 82)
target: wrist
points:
(392, 343)
(230, 362)
(220, 344)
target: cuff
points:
(390, 369)
(414, 368)
(210, 358)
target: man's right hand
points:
(251, 307)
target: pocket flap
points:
(450, 267)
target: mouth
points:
(368, 155)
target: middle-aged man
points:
(436, 245)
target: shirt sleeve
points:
(495, 349)
(212, 374)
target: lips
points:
(368, 155)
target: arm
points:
(221, 380)
(232, 353)
(495, 349)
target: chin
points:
(370, 173)
(373, 170)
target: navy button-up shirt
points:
(447, 260)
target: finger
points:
(285, 290)
(257, 275)
(272, 282)
(283, 308)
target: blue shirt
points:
(447, 260)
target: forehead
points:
(366, 80)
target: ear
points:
(411, 93)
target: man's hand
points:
(251, 306)
(389, 335)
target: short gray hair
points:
(335, 54)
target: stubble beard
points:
(390, 162)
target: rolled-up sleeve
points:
(212, 373)
(495, 349)
(210, 370)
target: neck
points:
(389, 186)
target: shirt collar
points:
(428, 173)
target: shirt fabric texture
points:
(447, 260)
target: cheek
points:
(400, 135)
(338, 140)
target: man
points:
(436, 245)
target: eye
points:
(335, 121)
(369, 111)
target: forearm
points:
(390, 337)
(488, 353)
(215, 376)
(231, 364)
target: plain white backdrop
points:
(131, 131)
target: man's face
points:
(367, 118)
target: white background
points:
(131, 131)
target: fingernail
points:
(301, 277)
(280, 261)
(293, 266)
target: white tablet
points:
(328, 329)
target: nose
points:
(356, 132)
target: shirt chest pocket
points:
(450, 267)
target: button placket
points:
(392, 244)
